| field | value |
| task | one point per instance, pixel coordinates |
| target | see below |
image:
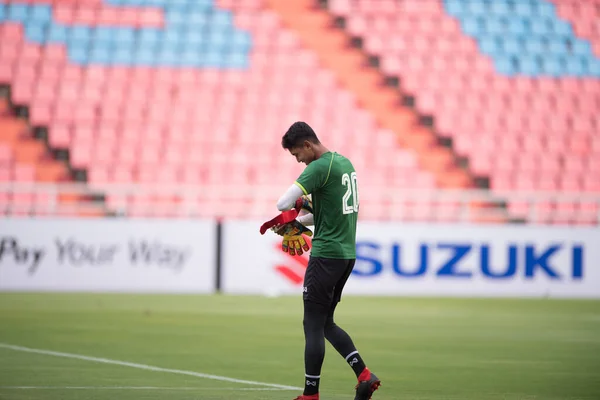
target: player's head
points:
(301, 141)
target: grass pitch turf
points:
(426, 349)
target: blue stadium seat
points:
(513, 46)
(78, 41)
(103, 35)
(215, 46)
(177, 6)
(241, 42)
(215, 60)
(476, 7)
(190, 25)
(526, 29)
(594, 68)
(99, 55)
(575, 66)
(506, 65)
(552, 67)
(18, 12)
(472, 26)
(528, 65)
(222, 19)
(545, 9)
(562, 28)
(524, 9)
(35, 32)
(455, 7)
(57, 33)
(500, 8)
(124, 36)
(490, 45)
(154, 3)
(172, 39)
(176, 17)
(122, 56)
(190, 47)
(123, 2)
(540, 26)
(582, 48)
(237, 60)
(149, 37)
(104, 45)
(518, 26)
(495, 25)
(201, 4)
(195, 58)
(535, 45)
(194, 37)
(41, 14)
(79, 55)
(79, 36)
(80, 32)
(197, 18)
(557, 46)
(168, 57)
(145, 56)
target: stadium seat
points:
(526, 59)
(166, 80)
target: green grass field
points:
(421, 348)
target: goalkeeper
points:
(330, 179)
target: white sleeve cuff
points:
(307, 219)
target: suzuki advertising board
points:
(107, 255)
(429, 260)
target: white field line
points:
(136, 388)
(146, 367)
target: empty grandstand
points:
(450, 110)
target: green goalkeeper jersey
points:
(331, 181)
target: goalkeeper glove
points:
(304, 203)
(293, 243)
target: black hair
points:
(297, 134)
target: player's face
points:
(304, 154)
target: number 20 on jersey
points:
(350, 199)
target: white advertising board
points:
(107, 255)
(429, 260)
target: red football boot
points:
(308, 397)
(367, 384)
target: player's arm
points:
(293, 242)
(313, 177)
(288, 200)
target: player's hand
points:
(304, 203)
(294, 245)
(293, 242)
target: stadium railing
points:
(34, 199)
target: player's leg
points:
(319, 283)
(342, 342)
(339, 339)
(315, 315)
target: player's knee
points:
(315, 315)
(315, 308)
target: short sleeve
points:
(313, 177)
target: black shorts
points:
(325, 279)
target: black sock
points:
(356, 362)
(342, 342)
(314, 350)
(311, 385)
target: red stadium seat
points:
(175, 124)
